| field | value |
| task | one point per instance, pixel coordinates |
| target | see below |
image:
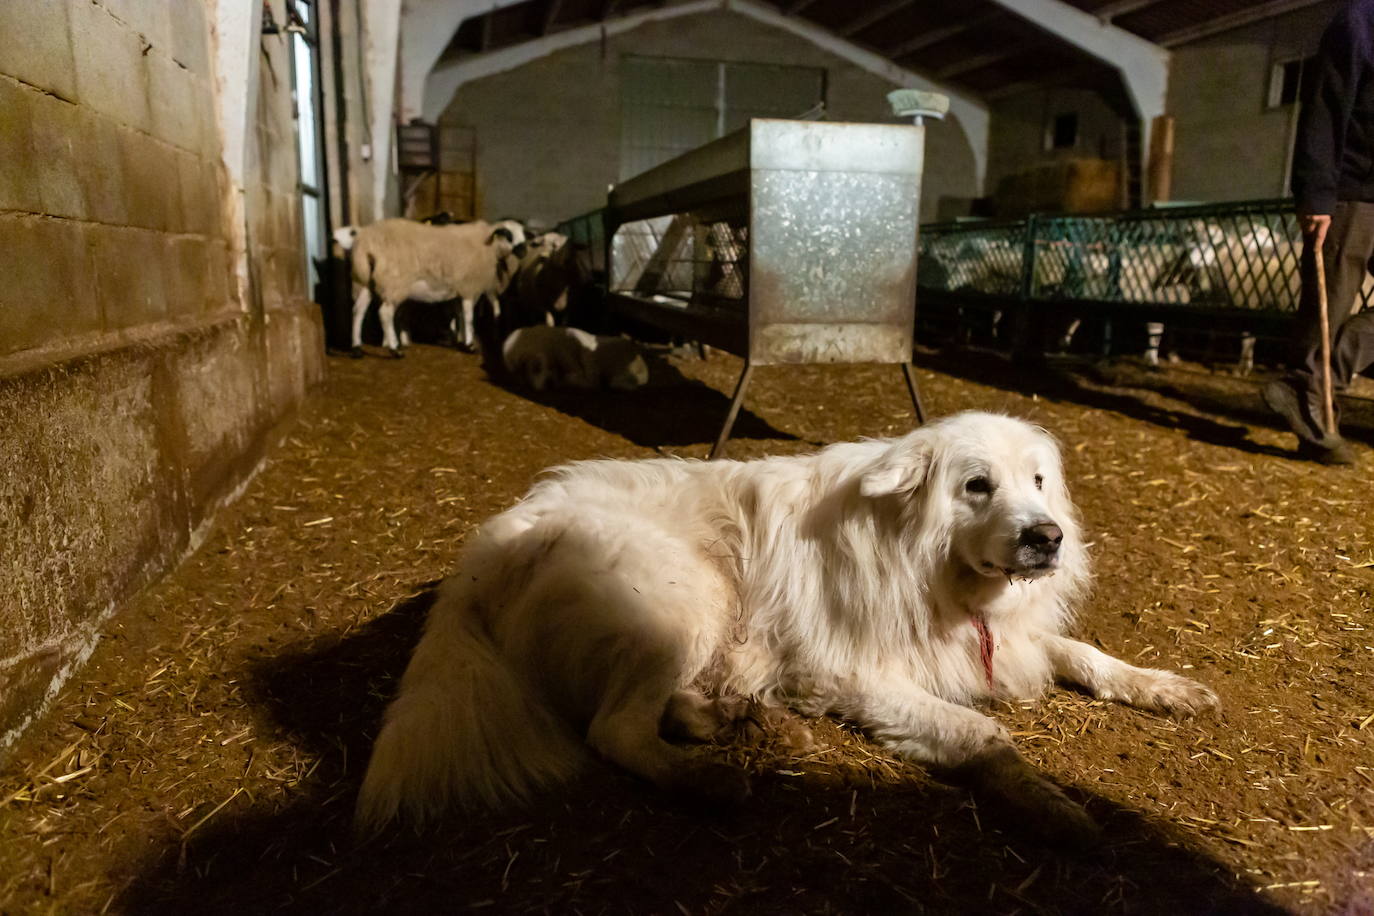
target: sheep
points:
(539, 289)
(400, 259)
(546, 357)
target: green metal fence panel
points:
(589, 229)
(1230, 256)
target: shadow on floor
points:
(609, 844)
(1083, 383)
(671, 411)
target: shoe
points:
(1335, 451)
(1283, 398)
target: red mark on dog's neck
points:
(985, 647)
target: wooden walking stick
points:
(1328, 404)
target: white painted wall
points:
(382, 26)
(234, 36)
(426, 29)
(446, 79)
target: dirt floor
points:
(207, 759)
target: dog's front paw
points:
(1171, 694)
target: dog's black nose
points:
(1044, 537)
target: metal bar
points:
(909, 373)
(877, 14)
(1255, 13)
(1121, 8)
(935, 36)
(718, 450)
(978, 62)
(551, 11)
(1057, 77)
(485, 41)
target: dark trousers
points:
(1347, 251)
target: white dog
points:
(889, 582)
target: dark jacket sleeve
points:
(1325, 120)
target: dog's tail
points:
(465, 730)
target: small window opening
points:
(1064, 131)
(1286, 81)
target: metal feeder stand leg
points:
(719, 449)
(909, 372)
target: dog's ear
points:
(901, 470)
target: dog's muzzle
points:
(1038, 545)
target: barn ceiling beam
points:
(445, 78)
(1256, 13)
(1144, 66)
(935, 36)
(484, 42)
(1122, 8)
(875, 15)
(551, 10)
(978, 62)
(1059, 77)
(427, 26)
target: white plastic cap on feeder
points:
(918, 104)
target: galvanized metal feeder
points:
(785, 243)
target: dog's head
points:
(990, 488)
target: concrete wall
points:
(361, 165)
(1228, 145)
(154, 326)
(548, 132)
(1016, 141)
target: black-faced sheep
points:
(399, 259)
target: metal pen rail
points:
(1210, 273)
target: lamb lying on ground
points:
(544, 357)
(399, 259)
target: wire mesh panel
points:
(684, 257)
(1240, 256)
(588, 231)
(982, 257)
(1207, 281)
(671, 106)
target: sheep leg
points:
(1154, 333)
(469, 306)
(387, 311)
(360, 305)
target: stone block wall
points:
(149, 346)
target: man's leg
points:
(1346, 253)
(1348, 248)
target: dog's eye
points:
(1039, 482)
(978, 485)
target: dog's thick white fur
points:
(621, 597)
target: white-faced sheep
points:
(543, 357)
(399, 259)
